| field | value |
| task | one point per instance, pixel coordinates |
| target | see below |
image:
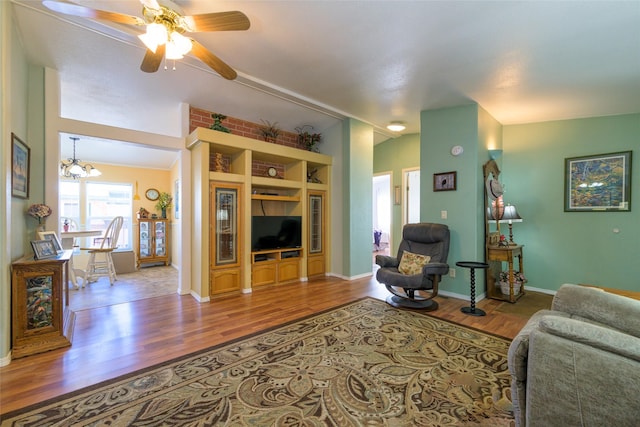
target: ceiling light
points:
(396, 126)
(75, 168)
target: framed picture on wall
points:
(598, 183)
(445, 181)
(20, 157)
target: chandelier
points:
(75, 168)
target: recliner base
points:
(399, 302)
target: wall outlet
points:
(443, 215)
(452, 273)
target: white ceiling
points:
(316, 62)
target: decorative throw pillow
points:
(411, 263)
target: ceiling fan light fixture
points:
(155, 36)
(183, 44)
(396, 126)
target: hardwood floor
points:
(114, 340)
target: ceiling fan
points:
(165, 26)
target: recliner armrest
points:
(437, 268)
(386, 261)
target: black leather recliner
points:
(416, 291)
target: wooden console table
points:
(504, 254)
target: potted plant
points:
(217, 123)
(307, 138)
(270, 131)
(164, 201)
(518, 280)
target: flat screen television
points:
(276, 232)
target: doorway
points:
(411, 202)
(381, 234)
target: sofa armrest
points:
(571, 383)
(609, 340)
(608, 309)
(386, 261)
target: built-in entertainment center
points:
(258, 218)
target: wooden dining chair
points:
(100, 260)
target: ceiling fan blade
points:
(151, 4)
(203, 54)
(219, 21)
(152, 61)
(85, 12)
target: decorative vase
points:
(504, 287)
(164, 213)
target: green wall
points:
(559, 247)
(392, 156)
(574, 247)
(440, 131)
(357, 197)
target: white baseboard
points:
(5, 360)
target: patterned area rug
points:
(365, 363)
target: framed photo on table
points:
(20, 157)
(43, 249)
(445, 181)
(51, 235)
(598, 183)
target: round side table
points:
(472, 265)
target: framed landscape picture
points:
(598, 183)
(20, 157)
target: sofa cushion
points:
(411, 263)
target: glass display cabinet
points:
(153, 241)
(225, 271)
(316, 256)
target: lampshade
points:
(75, 168)
(510, 215)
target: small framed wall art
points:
(445, 181)
(20, 157)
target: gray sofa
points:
(578, 364)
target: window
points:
(92, 205)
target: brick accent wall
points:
(203, 118)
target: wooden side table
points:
(472, 265)
(504, 254)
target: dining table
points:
(69, 241)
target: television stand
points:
(275, 266)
